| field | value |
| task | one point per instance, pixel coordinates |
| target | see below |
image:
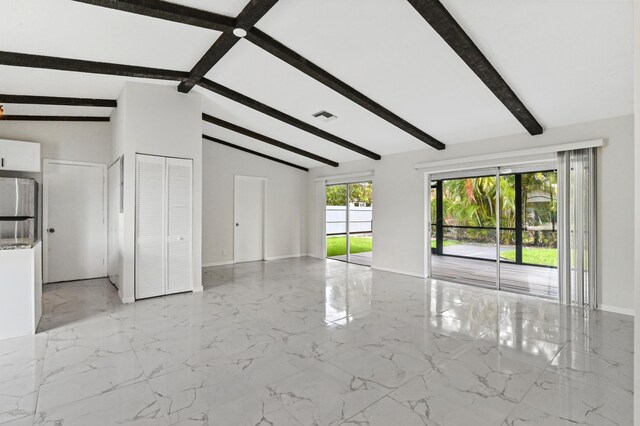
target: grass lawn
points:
(534, 256)
(337, 246)
(445, 243)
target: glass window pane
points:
(468, 228)
(361, 223)
(336, 221)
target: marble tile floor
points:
(311, 342)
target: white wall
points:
(286, 203)
(158, 120)
(398, 242)
(73, 141)
(636, 382)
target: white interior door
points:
(113, 216)
(74, 220)
(179, 225)
(150, 226)
(249, 197)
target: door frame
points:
(498, 172)
(264, 181)
(46, 164)
(347, 184)
(115, 244)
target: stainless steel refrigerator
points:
(18, 210)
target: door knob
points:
(51, 230)
(237, 224)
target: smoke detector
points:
(324, 116)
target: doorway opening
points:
(497, 228)
(349, 222)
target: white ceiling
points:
(568, 61)
(80, 31)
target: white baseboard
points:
(399, 271)
(128, 300)
(225, 262)
(198, 289)
(617, 310)
(231, 262)
(286, 256)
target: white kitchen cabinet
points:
(164, 260)
(20, 291)
(19, 156)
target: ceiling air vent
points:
(324, 116)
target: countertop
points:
(17, 243)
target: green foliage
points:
(445, 243)
(358, 193)
(337, 246)
(337, 195)
(472, 202)
(534, 256)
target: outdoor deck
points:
(536, 280)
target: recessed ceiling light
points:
(324, 115)
(240, 32)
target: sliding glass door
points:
(349, 222)
(529, 233)
(496, 228)
(463, 244)
(336, 222)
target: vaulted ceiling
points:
(566, 62)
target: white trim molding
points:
(506, 157)
(617, 310)
(347, 177)
(224, 262)
(399, 271)
(286, 256)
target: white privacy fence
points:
(360, 220)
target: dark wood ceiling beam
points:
(454, 35)
(285, 118)
(51, 118)
(247, 18)
(76, 65)
(55, 100)
(221, 47)
(266, 139)
(169, 12)
(249, 151)
(289, 56)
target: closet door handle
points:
(2, 163)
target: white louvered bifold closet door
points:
(179, 225)
(150, 226)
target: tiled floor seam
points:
(165, 416)
(44, 360)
